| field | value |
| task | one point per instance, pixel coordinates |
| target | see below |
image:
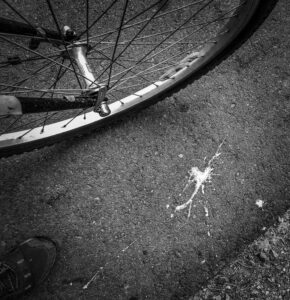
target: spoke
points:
(187, 36)
(143, 71)
(59, 75)
(141, 38)
(118, 63)
(66, 49)
(148, 69)
(180, 53)
(27, 60)
(106, 34)
(34, 37)
(126, 93)
(37, 125)
(44, 122)
(136, 35)
(153, 35)
(146, 72)
(128, 87)
(39, 54)
(120, 59)
(87, 21)
(162, 33)
(98, 19)
(74, 69)
(82, 111)
(11, 125)
(20, 15)
(39, 70)
(53, 16)
(53, 53)
(25, 124)
(25, 90)
(171, 34)
(117, 40)
(117, 99)
(166, 13)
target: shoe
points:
(26, 266)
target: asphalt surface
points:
(109, 198)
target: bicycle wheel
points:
(140, 51)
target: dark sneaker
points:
(26, 266)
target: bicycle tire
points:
(248, 17)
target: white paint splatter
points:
(260, 203)
(167, 206)
(180, 155)
(200, 178)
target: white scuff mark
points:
(260, 203)
(126, 248)
(93, 278)
(206, 211)
(180, 155)
(200, 178)
(167, 206)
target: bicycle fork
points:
(96, 90)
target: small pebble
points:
(259, 203)
(286, 83)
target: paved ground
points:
(108, 198)
(260, 271)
